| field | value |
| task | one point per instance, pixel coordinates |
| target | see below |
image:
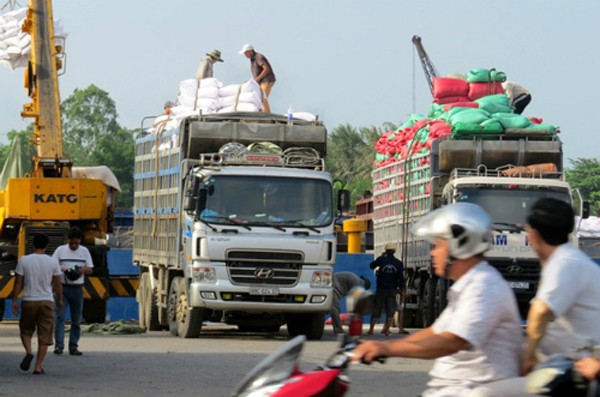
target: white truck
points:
(480, 171)
(229, 228)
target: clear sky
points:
(347, 61)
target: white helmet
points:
(467, 227)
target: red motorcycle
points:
(278, 375)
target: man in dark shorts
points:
(36, 274)
(390, 282)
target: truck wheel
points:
(150, 304)
(172, 305)
(315, 326)
(94, 311)
(2, 304)
(189, 319)
(430, 304)
(293, 324)
(310, 324)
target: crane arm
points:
(428, 67)
(41, 82)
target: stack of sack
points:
(463, 107)
(15, 45)
(210, 96)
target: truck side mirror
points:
(585, 210)
(190, 201)
(343, 200)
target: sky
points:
(349, 62)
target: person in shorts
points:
(390, 282)
(36, 274)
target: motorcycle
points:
(278, 375)
(557, 377)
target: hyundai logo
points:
(264, 273)
(514, 269)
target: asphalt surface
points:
(158, 364)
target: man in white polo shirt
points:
(477, 338)
(75, 261)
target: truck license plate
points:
(518, 284)
(264, 291)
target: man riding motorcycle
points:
(477, 338)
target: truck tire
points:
(189, 319)
(172, 305)
(94, 311)
(312, 325)
(434, 300)
(315, 326)
(2, 304)
(149, 302)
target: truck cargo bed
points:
(206, 134)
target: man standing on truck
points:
(390, 282)
(262, 72)
(565, 312)
(75, 261)
(205, 69)
(477, 338)
(36, 274)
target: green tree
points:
(584, 174)
(350, 157)
(92, 137)
(27, 150)
(87, 116)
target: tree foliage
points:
(87, 116)
(92, 136)
(350, 157)
(584, 174)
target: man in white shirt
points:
(565, 312)
(477, 338)
(75, 262)
(36, 274)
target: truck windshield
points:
(508, 207)
(263, 200)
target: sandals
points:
(26, 363)
(40, 372)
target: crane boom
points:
(428, 67)
(41, 82)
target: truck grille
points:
(264, 268)
(521, 270)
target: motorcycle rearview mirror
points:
(360, 301)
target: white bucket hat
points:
(246, 47)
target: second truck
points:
(233, 223)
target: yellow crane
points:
(54, 197)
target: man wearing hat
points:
(390, 282)
(262, 73)
(205, 69)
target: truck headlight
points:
(204, 275)
(321, 279)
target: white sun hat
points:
(246, 47)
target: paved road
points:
(157, 364)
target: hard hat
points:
(466, 227)
(246, 47)
(390, 247)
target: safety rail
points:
(507, 171)
(284, 160)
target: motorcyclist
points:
(477, 338)
(565, 312)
